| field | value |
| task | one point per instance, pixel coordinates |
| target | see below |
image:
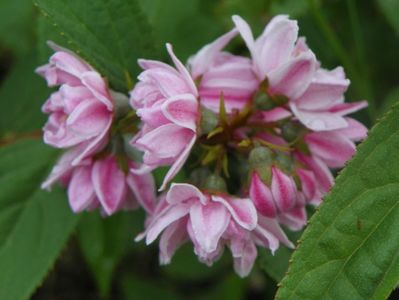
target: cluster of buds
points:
(255, 137)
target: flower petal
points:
(109, 184)
(171, 239)
(182, 70)
(80, 190)
(243, 265)
(262, 197)
(276, 44)
(243, 211)
(184, 192)
(143, 189)
(200, 62)
(163, 220)
(283, 190)
(182, 110)
(293, 77)
(96, 84)
(209, 223)
(332, 147)
(178, 164)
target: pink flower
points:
(101, 183)
(321, 106)
(211, 222)
(287, 66)
(220, 73)
(166, 101)
(291, 69)
(336, 147)
(80, 112)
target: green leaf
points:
(16, 20)
(137, 288)
(110, 35)
(104, 241)
(390, 9)
(350, 249)
(389, 101)
(21, 96)
(187, 27)
(34, 224)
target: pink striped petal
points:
(93, 145)
(243, 211)
(271, 226)
(166, 141)
(178, 164)
(89, 119)
(355, 131)
(80, 190)
(325, 90)
(332, 147)
(246, 34)
(319, 120)
(348, 108)
(182, 110)
(293, 77)
(109, 184)
(62, 168)
(171, 239)
(322, 172)
(163, 220)
(200, 62)
(275, 114)
(262, 197)
(283, 190)
(243, 265)
(276, 44)
(209, 223)
(295, 219)
(308, 182)
(153, 115)
(69, 63)
(184, 192)
(143, 189)
(96, 84)
(182, 70)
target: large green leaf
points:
(16, 20)
(104, 241)
(390, 9)
(187, 27)
(34, 224)
(110, 35)
(21, 96)
(351, 248)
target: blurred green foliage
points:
(362, 36)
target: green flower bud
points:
(209, 120)
(260, 156)
(263, 102)
(291, 131)
(284, 161)
(215, 183)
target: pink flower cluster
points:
(255, 136)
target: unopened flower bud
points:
(215, 183)
(284, 161)
(291, 131)
(263, 102)
(209, 120)
(260, 156)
